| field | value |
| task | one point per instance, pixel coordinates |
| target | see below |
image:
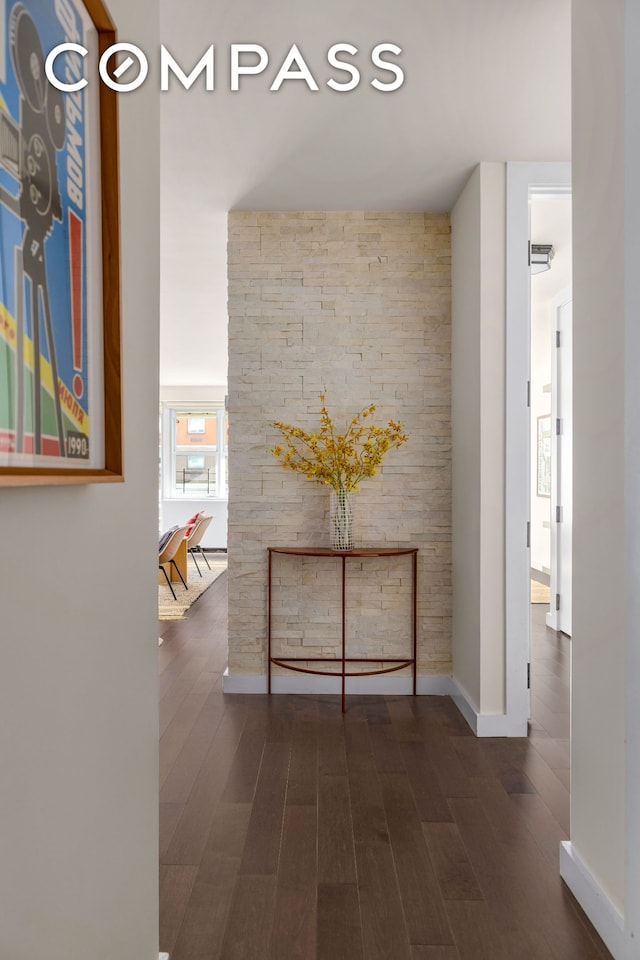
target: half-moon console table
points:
(291, 663)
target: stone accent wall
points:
(357, 305)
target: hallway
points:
(290, 832)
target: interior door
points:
(559, 617)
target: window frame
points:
(170, 411)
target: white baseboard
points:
(435, 686)
(485, 724)
(602, 912)
(243, 682)
(163, 956)
(439, 686)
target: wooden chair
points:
(194, 538)
(167, 555)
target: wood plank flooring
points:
(290, 832)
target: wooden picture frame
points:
(60, 338)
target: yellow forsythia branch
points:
(341, 460)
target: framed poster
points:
(544, 456)
(60, 389)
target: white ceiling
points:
(485, 80)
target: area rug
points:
(540, 592)
(170, 609)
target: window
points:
(194, 448)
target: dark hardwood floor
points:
(290, 832)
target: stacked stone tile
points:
(357, 305)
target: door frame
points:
(523, 181)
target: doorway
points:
(525, 181)
(551, 430)
(551, 415)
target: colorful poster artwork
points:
(45, 374)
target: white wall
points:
(492, 387)
(78, 690)
(465, 425)
(193, 393)
(478, 259)
(598, 769)
(632, 450)
(602, 863)
(179, 511)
